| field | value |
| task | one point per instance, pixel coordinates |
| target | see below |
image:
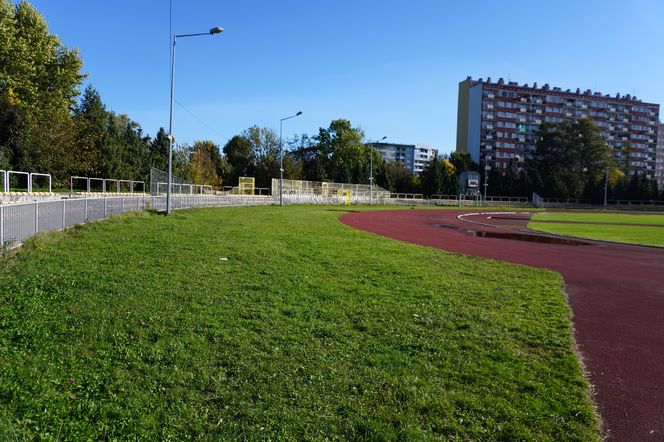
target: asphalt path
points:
(616, 293)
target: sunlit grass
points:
(279, 323)
(601, 217)
(641, 235)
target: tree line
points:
(47, 125)
(571, 160)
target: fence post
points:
(36, 217)
(122, 204)
(104, 208)
(86, 210)
(64, 210)
(2, 225)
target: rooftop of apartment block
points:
(552, 90)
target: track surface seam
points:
(616, 293)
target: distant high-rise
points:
(659, 162)
(497, 121)
(413, 156)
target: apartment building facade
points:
(413, 156)
(659, 158)
(497, 121)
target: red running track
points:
(616, 293)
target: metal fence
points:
(19, 222)
(327, 189)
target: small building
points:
(413, 156)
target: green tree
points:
(568, 156)
(240, 156)
(265, 148)
(432, 178)
(462, 162)
(341, 155)
(204, 163)
(14, 126)
(39, 80)
(264, 141)
(34, 64)
(92, 121)
(396, 178)
(159, 147)
(292, 167)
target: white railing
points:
(185, 188)
(29, 177)
(105, 184)
(19, 222)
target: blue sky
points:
(391, 67)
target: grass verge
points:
(607, 218)
(279, 323)
(639, 235)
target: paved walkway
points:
(616, 293)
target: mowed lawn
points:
(616, 227)
(602, 217)
(279, 323)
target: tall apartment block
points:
(497, 121)
(413, 156)
(659, 161)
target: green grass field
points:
(279, 323)
(602, 217)
(611, 231)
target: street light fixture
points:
(281, 156)
(371, 179)
(215, 30)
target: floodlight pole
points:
(216, 30)
(486, 179)
(371, 179)
(281, 156)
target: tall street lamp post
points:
(213, 31)
(281, 157)
(487, 168)
(371, 179)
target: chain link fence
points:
(19, 222)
